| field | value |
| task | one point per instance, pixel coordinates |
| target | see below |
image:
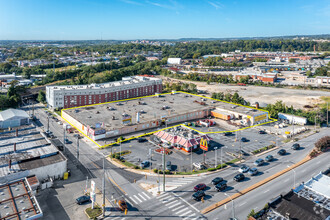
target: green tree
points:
(41, 96)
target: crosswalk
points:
(178, 206)
(182, 181)
(139, 198)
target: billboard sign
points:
(203, 144)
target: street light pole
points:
(63, 139)
(164, 169)
(78, 147)
(47, 124)
(216, 156)
(221, 157)
(191, 163)
(103, 187)
(232, 207)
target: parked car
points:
(281, 152)
(269, 158)
(144, 163)
(67, 141)
(253, 171)
(227, 134)
(199, 187)
(217, 180)
(259, 162)
(141, 140)
(168, 165)
(262, 132)
(239, 177)
(243, 139)
(243, 153)
(295, 146)
(82, 199)
(243, 169)
(198, 195)
(199, 166)
(122, 205)
(221, 186)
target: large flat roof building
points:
(80, 95)
(123, 117)
(26, 151)
(13, 118)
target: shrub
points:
(136, 167)
(117, 157)
(323, 143)
(223, 166)
(211, 169)
(155, 170)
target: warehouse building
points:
(123, 117)
(25, 152)
(13, 118)
(292, 119)
(80, 95)
(18, 201)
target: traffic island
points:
(93, 213)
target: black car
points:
(227, 134)
(295, 146)
(217, 180)
(269, 158)
(198, 195)
(243, 153)
(141, 140)
(221, 186)
(239, 177)
(243, 139)
(83, 199)
(281, 152)
(262, 132)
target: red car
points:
(199, 187)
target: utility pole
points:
(327, 114)
(164, 169)
(315, 123)
(240, 146)
(103, 187)
(47, 124)
(64, 139)
(78, 147)
(191, 163)
(221, 156)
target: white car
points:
(243, 169)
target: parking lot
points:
(221, 148)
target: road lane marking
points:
(117, 185)
(186, 213)
(190, 216)
(175, 204)
(182, 210)
(267, 190)
(133, 200)
(170, 203)
(186, 202)
(241, 203)
(146, 195)
(137, 198)
(177, 208)
(167, 200)
(286, 180)
(142, 197)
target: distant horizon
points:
(160, 19)
(177, 39)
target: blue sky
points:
(160, 19)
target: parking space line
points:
(182, 210)
(186, 213)
(177, 208)
(146, 195)
(137, 198)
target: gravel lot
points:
(296, 97)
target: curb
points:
(267, 151)
(250, 188)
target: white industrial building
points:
(26, 151)
(13, 118)
(292, 119)
(80, 95)
(174, 61)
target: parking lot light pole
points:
(63, 139)
(78, 147)
(221, 157)
(232, 207)
(215, 157)
(191, 163)
(164, 169)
